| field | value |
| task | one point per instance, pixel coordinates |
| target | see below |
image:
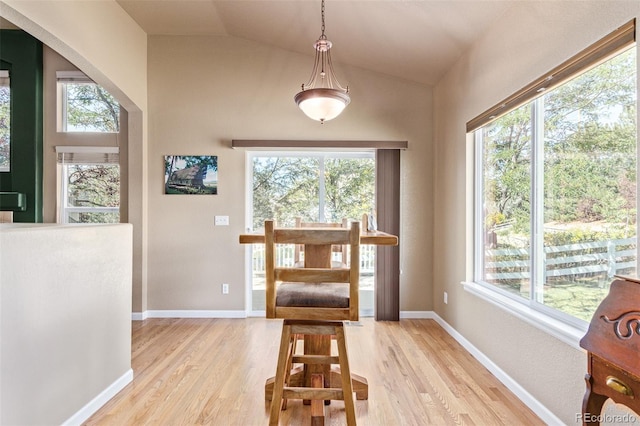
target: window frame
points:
(63, 78)
(321, 155)
(563, 326)
(92, 155)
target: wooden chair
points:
(342, 249)
(313, 301)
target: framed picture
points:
(190, 174)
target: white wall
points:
(65, 318)
(206, 91)
(103, 41)
(531, 39)
(98, 37)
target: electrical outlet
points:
(225, 288)
(446, 298)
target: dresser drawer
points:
(617, 384)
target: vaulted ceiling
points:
(416, 40)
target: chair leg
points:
(287, 373)
(278, 385)
(347, 388)
(285, 359)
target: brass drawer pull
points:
(619, 386)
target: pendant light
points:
(322, 98)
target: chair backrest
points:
(342, 249)
(318, 242)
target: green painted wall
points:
(21, 54)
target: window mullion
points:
(64, 194)
(63, 108)
(479, 203)
(321, 189)
(537, 201)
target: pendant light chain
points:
(322, 36)
(322, 98)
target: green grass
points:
(579, 298)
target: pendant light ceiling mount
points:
(323, 98)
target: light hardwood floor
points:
(212, 371)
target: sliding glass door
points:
(316, 187)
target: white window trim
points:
(72, 77)
(563, 326)
(88, 149)
(64, 209)
(62, 78)
(569, 333)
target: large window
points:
(88, 175)
(84, 106)
(316, 187)
(89, 185)
(556, 188)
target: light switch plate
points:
(222, 220)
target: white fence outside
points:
(610, 256)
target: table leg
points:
(591, 404)
(317, 407)
(317, 345)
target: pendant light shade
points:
(322, 98)
(322, 104)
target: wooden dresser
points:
(613, 345)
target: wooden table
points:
(377, 238)
(320, 256)
(613, 345)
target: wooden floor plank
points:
(212, 371)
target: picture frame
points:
(191, 174)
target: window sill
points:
(562, 331)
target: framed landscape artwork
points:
(191, 174)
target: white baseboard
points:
(365, 313)
(529, 400)
(417, 315)
(137, 316)
(140, 316)
(103, 397)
